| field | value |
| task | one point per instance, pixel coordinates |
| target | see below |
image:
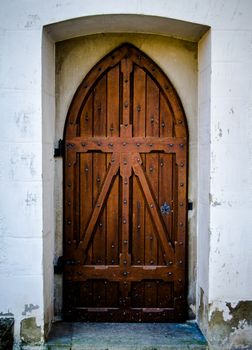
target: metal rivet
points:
(139, 261)
(69, 203)
(152, 206)
(180, 243)
(125, 273)
(169, 273)
(151, 238)
(124, 143)
(161, 164)
(126, 80)
(181, 204)
(69, 242)
(125, 162)
(150, 144)
(125, 262)
(151, 169)
(181, 184)
(170, 262)
(83, 144)
(181, 224)
(69, 164)
(112, 261)
(152, 120)
(98, 205)
(124, 221)
(99, 69)
(138, 108)
(151, 262)
(125, 241)
(98, 179)
(125, 201)
(112, 246)
(112, 160)
(99, 143)
(138, 159)
(86, 169)
(181, 145)
(138, 227)
(125, 182)
(111, 129)
(180, 121)
(69, 184)
(138, 144)
(170, 144)
(69, 222)
(126, 104)
(111, 144)
(180, 261)
(181, 164)
(100, 224)
(180, 280)
(163, 124)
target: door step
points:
(126, 336)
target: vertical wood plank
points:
(152, 168)
(138, 202)
(112, 257)
(99, 169)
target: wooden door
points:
(125, 194)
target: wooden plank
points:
(113, 130)
(138, 202)
(99, 169)
(126, 68)
(100, 201)
(153, 208)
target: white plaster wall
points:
(228, 106)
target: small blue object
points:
(165, 209)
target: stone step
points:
(126, 336)
(6, 333)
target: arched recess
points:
(125, 194)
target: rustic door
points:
(125, 194)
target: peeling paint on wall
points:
(29, 308)
(30, 333)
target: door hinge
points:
(59, 151)
(190, 205)
(58, 265)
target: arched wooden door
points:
(125, 194)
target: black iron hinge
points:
(59, 151)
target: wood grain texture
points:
(125, 160)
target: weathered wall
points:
(224, 204)
(177, 58)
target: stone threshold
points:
(125, 336)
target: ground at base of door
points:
(126, 336)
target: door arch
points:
(125, 194)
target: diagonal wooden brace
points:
(101, 199)
(153, 207)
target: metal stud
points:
(181, 145)
(98, 205)
(69, 222)
(69, 164)
(151, 238)
(112, 246)
(181, 184)
(180, 261)
(100, 224)
(138, 108)
(125, 262)
(111, 129)
(86, 169)
(124, 144)
(182, 164)
(99, 143)
(180, 121)
(150, 144)
(69, 184)
(180, 280)
(69, 203)
(124, 221)
(170, 273)
(151, 205)
(138, 144)
(151, 169)
(125, 162)
(181, 204)
(151, 262)
(163, 124)
(181, 224)
(125, 273)
(83, 144)
(110, 144)
(112, 160)
(98, 179)
(152, 120)
(161, 164)
(125, 201)
(125, 241)
(170, 144)
(139, 261)
(138, 227)
(112, 261)
(126, 104)
(125, 182)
